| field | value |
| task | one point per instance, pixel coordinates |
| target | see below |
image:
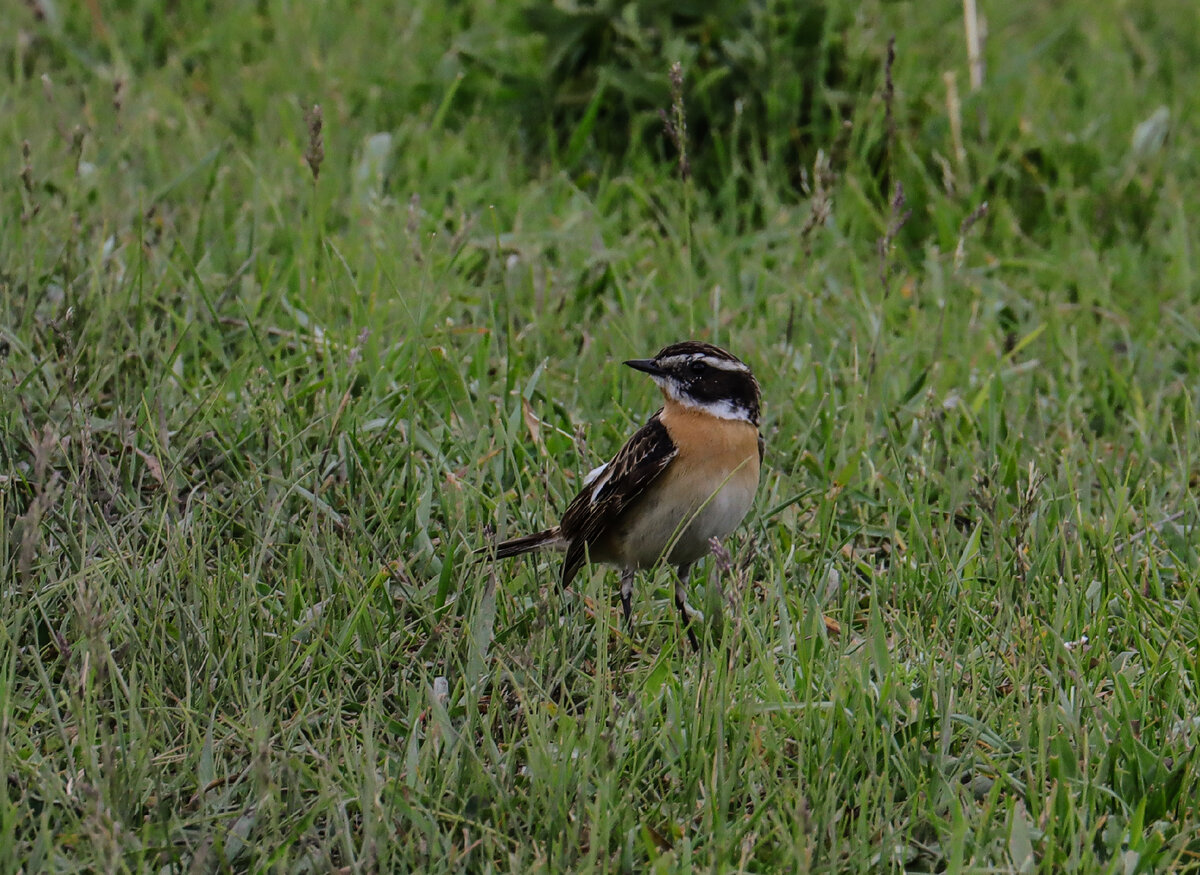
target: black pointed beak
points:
(646, 366)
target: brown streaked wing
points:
(636, 465)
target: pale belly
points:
(644, 534)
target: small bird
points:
(688, 475)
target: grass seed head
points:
(316, 145)
(26, 167)
(675, 122)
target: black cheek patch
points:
(715, 385)
(736, 387)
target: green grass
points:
(251, 427)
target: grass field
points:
(253, 423)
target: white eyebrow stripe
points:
(726, 364)
(710, 360)
(673, 361)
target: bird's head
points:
(704, 377)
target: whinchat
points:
(687, 476)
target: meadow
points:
(270, 374)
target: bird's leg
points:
(627, 595)
(681, 603)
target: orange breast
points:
(709, 446)
(704, 493)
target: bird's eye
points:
(698, 366)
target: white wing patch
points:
(593, 474)
(599, 476)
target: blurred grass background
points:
(253, 421)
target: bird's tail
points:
(550, 539)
